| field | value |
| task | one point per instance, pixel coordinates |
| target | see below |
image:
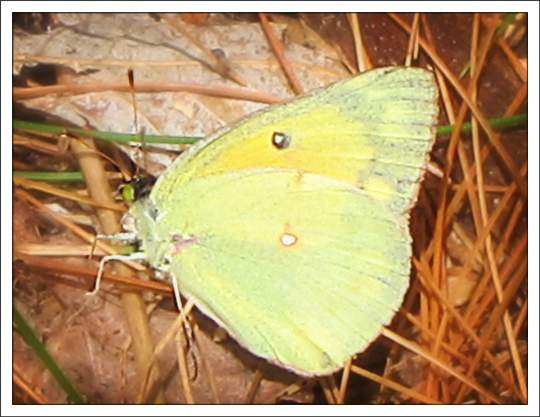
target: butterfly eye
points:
(153, 212)
(281, 140)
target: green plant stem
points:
(32, 340)
(499, 123)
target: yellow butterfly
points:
(290, 229)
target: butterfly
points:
(290, 229)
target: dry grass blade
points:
(134, 306)
(146, 87)
(390, 384)
(40, 186)
(278, 50)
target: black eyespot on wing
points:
(281, 140)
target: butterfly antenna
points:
(139, 131)
(131, 80)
